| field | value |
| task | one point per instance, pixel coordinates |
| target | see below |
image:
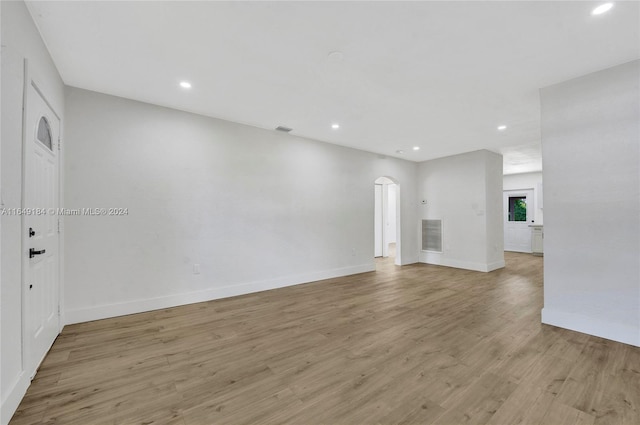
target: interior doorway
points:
(387, 243)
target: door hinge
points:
(58, 224)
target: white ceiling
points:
(439, 75)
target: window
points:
(517, 208)
(44, 133)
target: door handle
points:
(33, 252)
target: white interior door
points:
(40, 227)
(378, 222)
(518, 214)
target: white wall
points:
(256, 209)
(20, 40)
(591, 156)
(494, 221)
(527, 181)
(465, 192)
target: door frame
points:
(30, 81)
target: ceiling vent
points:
(283, 128)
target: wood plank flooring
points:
(417, 344)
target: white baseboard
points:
(105, 311)
(592, 326)
(12, 400)
(495, 266)
(438, 260)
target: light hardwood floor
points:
(417, 344)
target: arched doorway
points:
(387, 235)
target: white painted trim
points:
(120, 309)
(436, 259)
(13, 397)
(24, 349)
(619, 332)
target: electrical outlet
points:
(196, 269)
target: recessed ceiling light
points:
(602, 9)
(416, 148)
(185, 84)
(335, 126)
(502, 127)
(399, 151)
